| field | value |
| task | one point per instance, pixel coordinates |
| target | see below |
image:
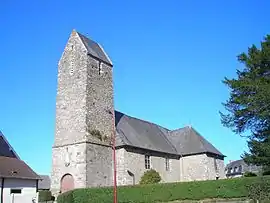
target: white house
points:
(18, 182)
(238, 168)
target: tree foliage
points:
(249, 174)
(259, 190)
(248, 107)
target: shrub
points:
(259, 190)
(150, 177)
(66, 197)
(266, 173)
(164, 192)
(249, 174)
(45, 195)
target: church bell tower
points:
(82, 152)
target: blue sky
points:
(169, 60)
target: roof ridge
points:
(199, 136)
(124, 136)
(177, 129)
(169, 142)
(203, 141)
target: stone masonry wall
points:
(70, 115)
(195, 167)
(99, 165)
(200, 167)
(188, 168)
(71, 93)
(122, 175)
(100, 116)
(133, 160)
(213, 173)
(75, 155)
(99, 99)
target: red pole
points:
(114, 162)
(115, 181)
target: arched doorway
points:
(67, 183)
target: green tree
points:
(248, 107)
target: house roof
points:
(16, 168)
(5, 148)
(236, 163)
(146, 135)
(44, 183)
(240, 167)
(242, 163)
(188, 141)
(95, 49)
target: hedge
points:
(197, 190)
(44, 195)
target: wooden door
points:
(67, 183)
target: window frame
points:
(215, 164)
(167, 164)
(147, 161)
(15, 191)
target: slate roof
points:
(188, 141)
(232, 168)
(44, 183)
(95, 49)
(142, 134)
(5, 148)
(16, 168)
(146, 135)
(236, 163)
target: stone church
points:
(86, 121)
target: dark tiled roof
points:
(188, 141)
(142, 134)
(236, 163)
(232, 166)
(95, 49)
(138, 133)
(5, 148)
(44, 183)
(16, 168)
